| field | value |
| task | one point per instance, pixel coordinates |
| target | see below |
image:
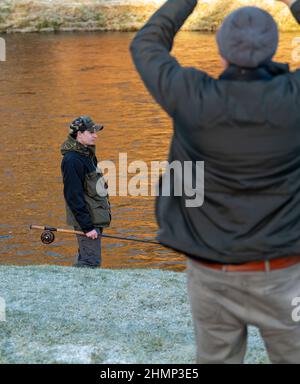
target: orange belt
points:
(254, 266)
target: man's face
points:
(87, 137)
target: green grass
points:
(69, 315)
(53, 25)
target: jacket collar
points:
(264, 72)
(72, 145)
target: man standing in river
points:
(86, 209)
(243, 244)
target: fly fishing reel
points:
(47, 237)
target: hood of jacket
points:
(266, 71)
(72, 145)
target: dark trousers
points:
(89, 251)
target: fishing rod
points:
(47, 236)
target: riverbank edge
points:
(57, 314)
(40, 16)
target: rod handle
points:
(53, 229)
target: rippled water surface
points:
(47, 81)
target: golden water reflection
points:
(48, 80)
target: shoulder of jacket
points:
(195, 72)
(72, 155)
(73, 158)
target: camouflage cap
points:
(84, 123)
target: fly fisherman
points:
(87, 204)
(243, 243)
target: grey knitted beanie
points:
(248, 37)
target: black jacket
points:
(245, 126)
(78, 161)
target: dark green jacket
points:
(86, 207)
(245, 126)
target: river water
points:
(47, 81)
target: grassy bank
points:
(69, 315)
(122, 15)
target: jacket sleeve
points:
(150, 50)
(73, 179)
(295, 9)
